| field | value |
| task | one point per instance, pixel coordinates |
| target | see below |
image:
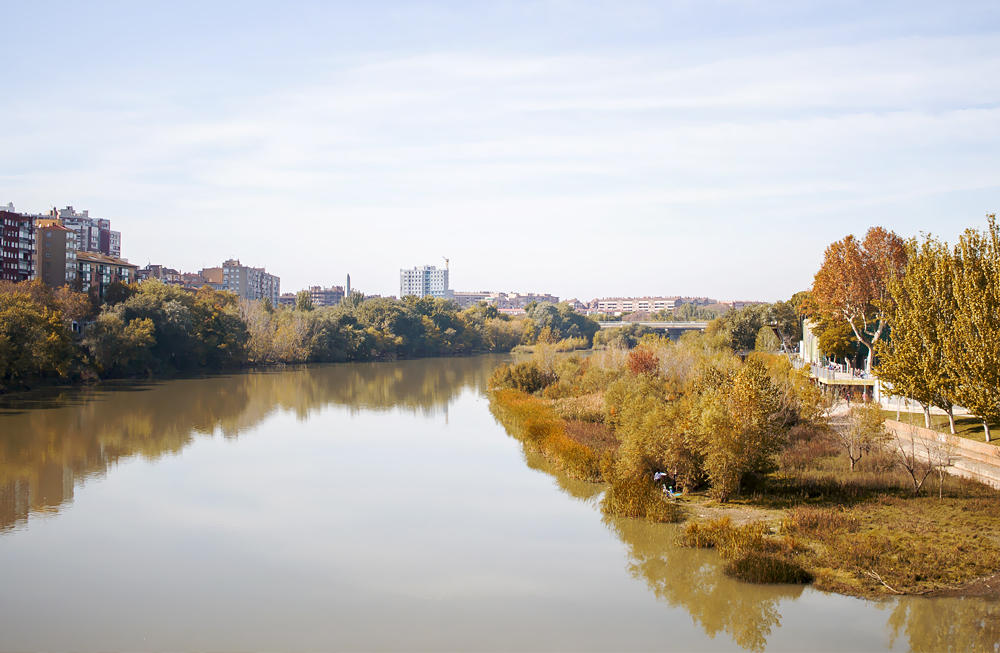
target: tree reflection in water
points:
(51, 441)
(692, 579)
(946, 624)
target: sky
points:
(583, 149)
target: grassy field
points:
(968, 427)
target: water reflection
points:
(692, 579)
(51, 441)
(946, 624)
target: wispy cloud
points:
(477, 149)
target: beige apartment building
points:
(55, 252)
(97, 271)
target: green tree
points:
(303, 301)
(736, 419)
(120, 348)
(836, 338)
(975, 348)
(766, 340)
(921, 316)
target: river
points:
(365, 506)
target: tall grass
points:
(534, 422)
(639, 498)
(751, 556)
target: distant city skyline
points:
(583, 149)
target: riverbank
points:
(811, 518)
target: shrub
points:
(595, 436)
(757, 567)
(643, 361)
(588, 408)
(639, 498)
(526, 376)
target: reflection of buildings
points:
(44, 451)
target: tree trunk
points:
(899, 401)
(986, 429)
(927, 416)
(951, 419)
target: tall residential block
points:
(422, 281)
(93, 234)
(17, 245)
(245, 281)
(55, 252)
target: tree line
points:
(926, 315)
(154, 328)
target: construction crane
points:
(446, 261)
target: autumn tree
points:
(34, 341)
(852, 283)
(766, 340)
(921, 316)
(975, 348)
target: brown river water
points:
(365, 506)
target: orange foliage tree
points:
(852, 284)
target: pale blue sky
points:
(577, 148)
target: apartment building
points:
(321, 296)
(55, 252)
(160, 273)
(98, 271)
(424, 280)
(93, 234)
(245, 281)
(518, 300)
(613, 305)
(17, 245)
(470, 299)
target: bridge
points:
(673, 329)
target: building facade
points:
(55, 252)
(612, 305)
(424, 280)
(321, 296)
(245, 281)
(519, 300)
(160, 273)
(96, 272)
(93, 234)
(17, 245)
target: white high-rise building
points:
(424, 280)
